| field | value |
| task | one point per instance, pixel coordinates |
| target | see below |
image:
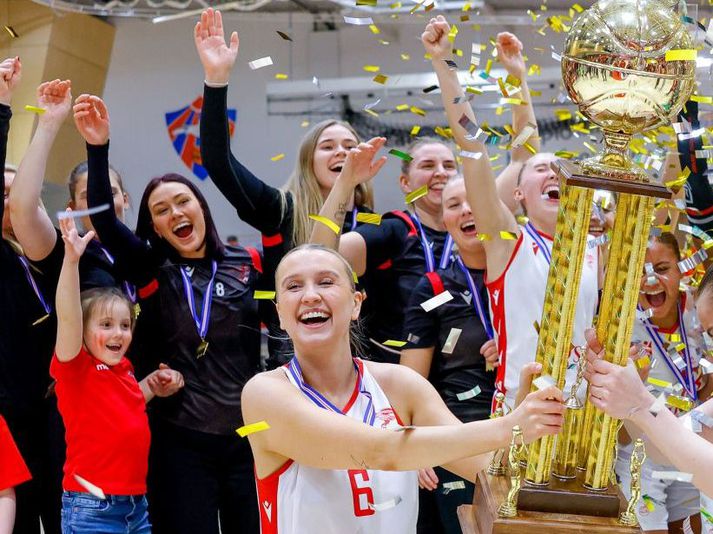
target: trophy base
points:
(490, 492)
(573, 174)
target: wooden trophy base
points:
(572, 174)
(490, 491)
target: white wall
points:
(155, 69)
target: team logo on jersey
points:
(242, 273)
(386, 416)
(496, 296)
(535, 248)
(184, 130)
(467, 297)
(267, 506)
(102, 367)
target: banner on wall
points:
(184, 131)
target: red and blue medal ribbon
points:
(689, 381)
(320, 400)
(478, 304)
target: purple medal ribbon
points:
(354, 221)
(688, 382)
(31, 279)
(477, 303)
(535, 235)
(129, 289)
(320, 400)
(203, 319)
(428, 251)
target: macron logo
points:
(102, 367)
(496, 296)
(267, 505)
(467, 297)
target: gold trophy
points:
(615, 69)
(638, 456)
(515, 453)
(496, 467)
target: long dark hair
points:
(214, 247)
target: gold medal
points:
(137, 310)
(202, 348)
(41, 319)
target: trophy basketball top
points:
(614, 68)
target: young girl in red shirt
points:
(13, 472)
(102, 404)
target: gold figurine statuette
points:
(568, 441)
(628, 517)
(508, 508)
(496, 467)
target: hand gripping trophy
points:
(615, 68)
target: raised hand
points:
(540, 414)
(10, 74)
(165, 381)
(359, 166)
(510, 54)
(435, 39)
(92, 119)
(55, 98)
(74, 244)
(216, 56)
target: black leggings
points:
(40, 439)
(195, 477)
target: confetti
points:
(706, 365)
(260, 63)
(281, 76)
(380, 78)
(35, 109)
(368, 218)
(643, 362)
(264, 295)
(702, 99)
(470, 127)
(649, 503)
(681, 55)
(704, 512)
(682, 403)
(91, 488)
(508, 236)
(524, 135)
(252, 428)
(543, 382)
(451, 341)
(702, 418)
(376, 31)
(371, 68)
(451, 486)
(658, 405)
(513, 101)
(435, 302)
(358, 21)
(692, 261)
(284, 35)
(677, 476)
(380, 507)
(452, 65)
(69, 214)
(394, 343)
(415, 130)
(471, 393)
(413, 196)
(401, 155)
(327, 222)
(11, 31)
(277, 157)
(371, 3)
(656, 382)
(598, 241)
(471, 155)
(430, 89)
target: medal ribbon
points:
(354, 221)
(31, 279)
(129, 289)
(477, 303)
(428, 251)
(535, 235)
(689, 382)
(320, 400)
(203, 319)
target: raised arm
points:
(256, 203)
(68, 303)
(353, 445)
(92, 120)
(490, 213)
(509, 50)
(700, 203)
(33, 226)
(10, 73)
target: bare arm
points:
(418, 359)
(7, 510)
(31, 223)
(69, 306)
(490, 213)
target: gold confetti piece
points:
(563, 114)
(401, 155)
(452, 33)
(35, 109)
(501, 85)
(484, 237)
(537, 326)
(405, 57)
(413, 196)
(415, 130)
(659, 383)
(473, 90)
(464, 18)
(513, 101)
(374, 29)
(402, 107)
(369, 218)
(284, 35)
(380, 78)
(649, 503)
(371, 68)
(394, 343)
(508, 236)
(577, 8)
(264, 295)
(417, 111)
(304, 124)
(643, 362)
(531, 149)
(590, 147)
(566, 154)
(327, 222)
(11, 31)
(355, 277)
(522, 219)
(682, 403)
(702, 99)
(676, 184)
(371, 112)
(681, 55)
(371, 3)
(252, 428)
(443, 132)
(280, 76)
(488, 66)
(395, 5)
(278, 157)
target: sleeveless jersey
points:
(297, 499)
(517, 298)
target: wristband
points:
(215, 85)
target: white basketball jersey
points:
(297, 499)
(517, 299)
